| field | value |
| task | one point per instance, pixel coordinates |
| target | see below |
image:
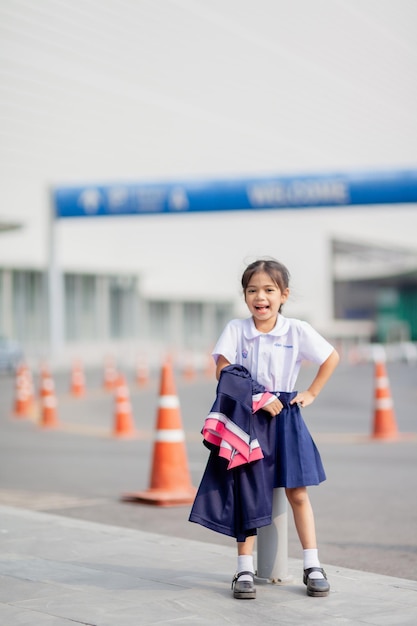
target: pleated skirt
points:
(237, 501)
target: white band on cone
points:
(168, 402)
(384, 403)
(49, 402)
(123, 407)
(166, 435)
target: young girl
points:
(257, 363)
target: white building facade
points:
(100, 93)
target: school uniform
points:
(238, 500)
(273, 359)
(230, 426)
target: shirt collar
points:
(281, 327)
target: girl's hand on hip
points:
(303, 399)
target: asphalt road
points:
(366, 512)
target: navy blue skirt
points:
(237, 501)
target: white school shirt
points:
(273, 359)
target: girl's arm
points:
(326, 369)
(273, 408)
(221, 363)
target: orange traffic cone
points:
(110, 374)
(44, 371)
(384, 424)
(77, 380)
(170, 478)
(49, 413)
(142, 373)
(45, 378)
(123, 418)
(24, 392)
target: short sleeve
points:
(227, 344)
(313, 346)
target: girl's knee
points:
(297, 496)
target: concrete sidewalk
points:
(56, 571)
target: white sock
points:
(311, 559)
(245, 564)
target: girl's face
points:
(264, 298)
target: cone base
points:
(385, 427)
(161, 498)
(386, 436)
(126, 434)
(49, 424)
(397, 437)
(124, 426)
(21, 414)
(24, 409)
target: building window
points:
(80, 307)
(159, 322)
(29, 306)
(193, 334)
(222, 315)
(123, 309)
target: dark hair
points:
(277, 272)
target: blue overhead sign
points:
(272, 192)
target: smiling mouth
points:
(261, 308)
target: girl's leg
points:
(246, 547)
(243, 586)
(299, 500)
(303, 516)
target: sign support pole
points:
(55, 286)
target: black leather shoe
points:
(317, 587)
(244, 589)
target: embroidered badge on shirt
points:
(245, 354)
